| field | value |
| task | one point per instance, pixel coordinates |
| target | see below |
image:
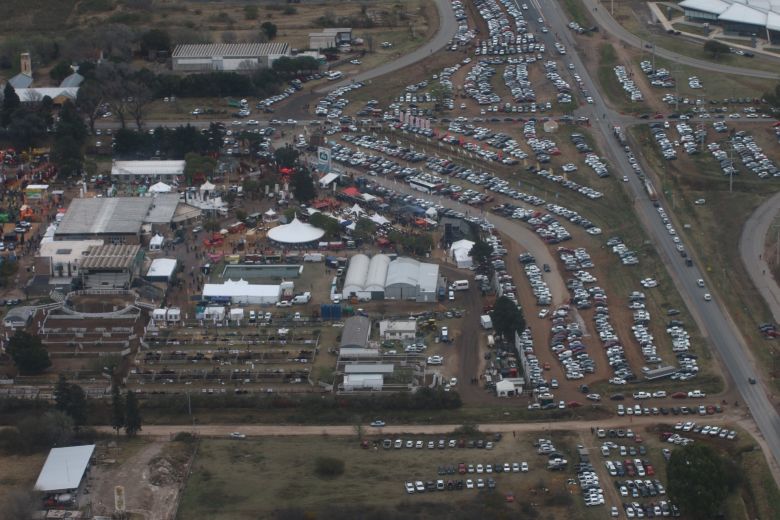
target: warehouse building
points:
(366, 376)
(408, 279)
(738, 17)
(330, 38)
(400, 279)
(207, 57)
(115, 220)
(355, 333)
(241, 292)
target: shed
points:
(509, 386)
(156, 242)
(236, 314)
(159, 314)
(64, 469)
(173, 315)
(356, 332)
(215, 313)
(356, 382)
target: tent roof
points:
(160, 187)
(64, 468)
(239, 288)
(296, 232)
(207, 186)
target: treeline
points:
(170, 143)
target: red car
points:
(461, 468)
(679, 395)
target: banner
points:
(323, 159)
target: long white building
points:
(205, 57)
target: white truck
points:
(302, 298)
(485, 321)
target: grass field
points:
(19, 471)
(253, 478)
(610, 87)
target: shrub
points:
(328, 467)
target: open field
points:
(715, 238)
(19, 472)
(241, 479)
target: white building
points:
(138, 171)
(242, 292)
(460, 253)
(162, 270)
(64, 469)
(330, 37)
(227, 56)
(397, 329)
(408, 279)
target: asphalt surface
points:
(751, 248)
(448, 26)
(713, 320)
(608, 24)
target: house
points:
(398, 329)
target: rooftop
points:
(162, 267)
(147, 168)
(229, 50)
(64, 468)
(110, 257)
(120, 215)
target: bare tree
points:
(139, 96)
(115, 80)
(88, 101)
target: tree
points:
(716, 48)
(117, 409)
(303, 185)
(250, 12)
(10, 103)
(699, 480)
(70, 137)
(155, 40)
(196, 165)
(507, 318)
(132, 414)
(330, 225)
(37, 432)
(269, 29)
(60, 71)
(328, 467)
(480, 252)
(88, 101)
(27, 128)
(71, 399)
(286, 157)
(28, 353)
(365, 229)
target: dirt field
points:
(151, 473)
(19, 472)
(241, 479)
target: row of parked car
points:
(628, 84)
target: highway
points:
(713, 320)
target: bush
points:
(184, 437)
(328, 467)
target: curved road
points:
(751, 248)
(607, 23)
(447, 28)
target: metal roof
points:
(357, 273)
(105, 215)
(163, 208)
(110, 257)
(162, 267)
(64, 468)
(147, 168)
(229, 50)
(368, 368)
(21, 80)
(355, 332)
(377, 273)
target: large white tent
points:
(460, 252)
(160, 187)
(296, 232)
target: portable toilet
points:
(216, 313)
(236, 314)
(159, 314)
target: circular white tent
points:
(296, 232)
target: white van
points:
(252, 317)
(460, 285)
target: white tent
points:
(459, 251)
(378, 219)
(356, 210)
(296, 232)
(432, 213)
(207, 186)
(160, 187)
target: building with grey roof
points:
(115, 220)
(227, 56)
(408, 279)
(355, 333)
(110, 266)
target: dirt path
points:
(141, 496)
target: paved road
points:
(751, 248)
(713, 320)
(448, 26)
(608, 24)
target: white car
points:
(435, 360)
(707, 297)
(660, 394)
(700, 282)
(284, 303)
(617, 381)
(593, 397)
(524, 467)
(237, 435)
(469, 484)
(355, 62)
(409, 486)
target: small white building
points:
(214, 313)
(236, 314)
(173, 315)
(460, 252)
(64, 469)
(162, 270)
(156, 243)
(398, 329)
(509, 387)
